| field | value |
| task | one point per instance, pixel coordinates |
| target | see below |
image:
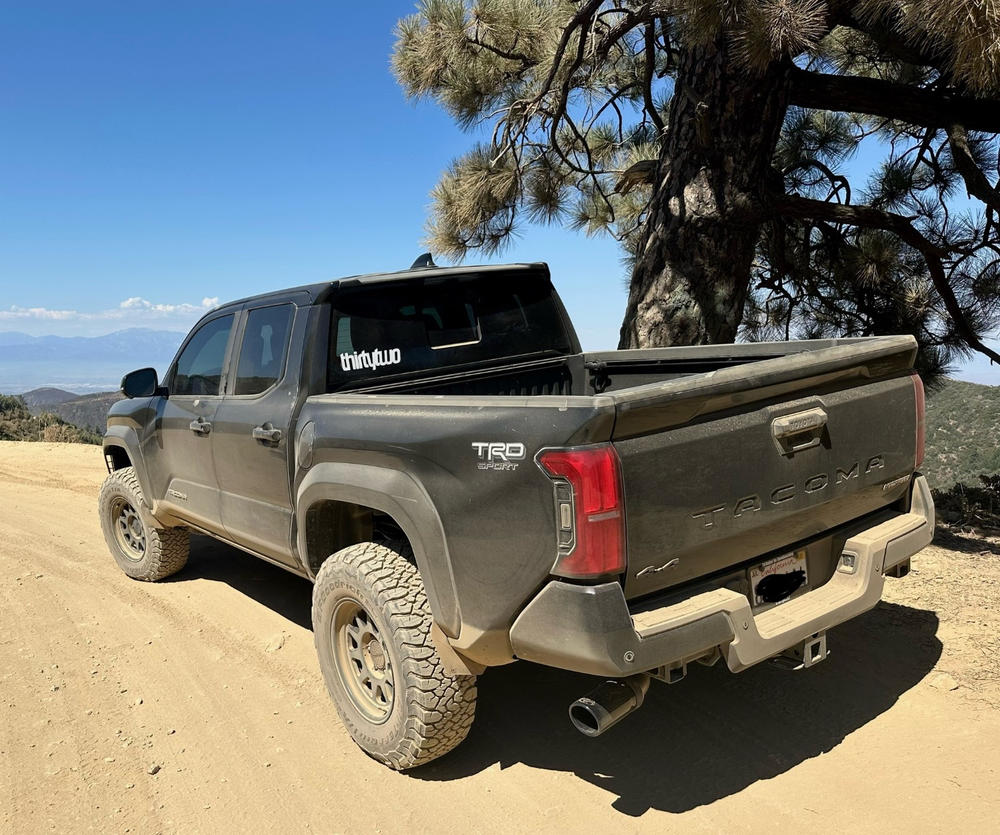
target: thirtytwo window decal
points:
(370, 359)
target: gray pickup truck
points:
(466, 487)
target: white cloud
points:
(132, 312)
(139, 303)
(18, 313)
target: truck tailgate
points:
(724, 467)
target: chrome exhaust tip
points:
(607, 704)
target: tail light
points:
(590, 512)
(918, 394)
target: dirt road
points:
(210, 681)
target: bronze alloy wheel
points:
(372, 625)
(363, 661)
(142, 549)
(130, 533)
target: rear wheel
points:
(371, 624)
(142, 551)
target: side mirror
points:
(141, 383)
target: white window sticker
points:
(370, 359)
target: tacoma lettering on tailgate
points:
(787, 492)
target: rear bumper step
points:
(589, 629)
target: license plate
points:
(779, 578)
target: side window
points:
(265, 343)
(199, 367)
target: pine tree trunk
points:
(692, 270)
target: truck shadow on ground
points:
(281, 591)
(710, 736)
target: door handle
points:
(802, 430)
(200, 426)
(266, 433)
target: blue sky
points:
(157, 157)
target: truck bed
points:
(614, 371)
(707, 484)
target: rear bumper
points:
(590, 629)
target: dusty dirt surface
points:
(196, 705)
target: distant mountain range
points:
(81, 364)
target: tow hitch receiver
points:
(811, 651)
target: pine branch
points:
(582, 18)
(867, 216)
(976, 182)
(874, 97)
(837, 181)
(524, 60)
(630, 19)
(647, 80)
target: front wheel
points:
(142, 551)
(371, 624)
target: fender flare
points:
(404, 499)
(125, 437)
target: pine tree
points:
(714, 140)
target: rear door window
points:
(265, 343)
(387, 330)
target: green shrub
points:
(18, 424)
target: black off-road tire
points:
(142, 551)
(423, 712)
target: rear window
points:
(383, 331)
(265, 341)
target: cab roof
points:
(321, 291)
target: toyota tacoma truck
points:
(465, 487)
